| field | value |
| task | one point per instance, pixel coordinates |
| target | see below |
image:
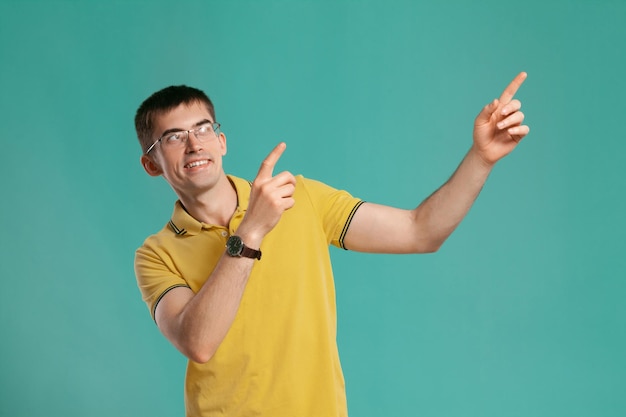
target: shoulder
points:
(154, 246)
(180, 224)
(312, 185)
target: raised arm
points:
(197, 323)
(498, 129)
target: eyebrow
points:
(178, 129)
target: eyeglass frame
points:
(214, 126)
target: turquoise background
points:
(522, 311)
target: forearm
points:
(207, 317)
(202, 324)
(439, 215)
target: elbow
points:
(426, 239)
(426, 246)
(196, 349)
(200, 358)
(432, 248)
(188, 336)
(199, 354)
(197, 346)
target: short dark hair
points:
(162, 102)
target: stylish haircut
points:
(162, 102)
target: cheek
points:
(168, 167)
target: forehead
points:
(183, 117)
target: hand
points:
(270, 197)
(498, 128)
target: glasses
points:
(178, 139)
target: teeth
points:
(197, 163)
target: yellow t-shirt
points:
(280, 356)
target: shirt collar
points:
(182, 223)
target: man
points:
(240, 279)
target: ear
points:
(150, 166)
(222, 139)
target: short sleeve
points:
(155, 274)
(335, 207)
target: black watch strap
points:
(236, 248)
(251, 253)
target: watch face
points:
(234, 246)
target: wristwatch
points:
(236, 248)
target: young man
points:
(240, 280)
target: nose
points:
(193, 145)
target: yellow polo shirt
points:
(279, 358)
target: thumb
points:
(485, 114)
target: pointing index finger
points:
(267, 166)
(511, 89)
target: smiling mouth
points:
(197, 163)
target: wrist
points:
(236, 247)
(476, 155)
(251, 238)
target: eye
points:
(203, 130)
(173, 137)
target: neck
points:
(214, 206)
